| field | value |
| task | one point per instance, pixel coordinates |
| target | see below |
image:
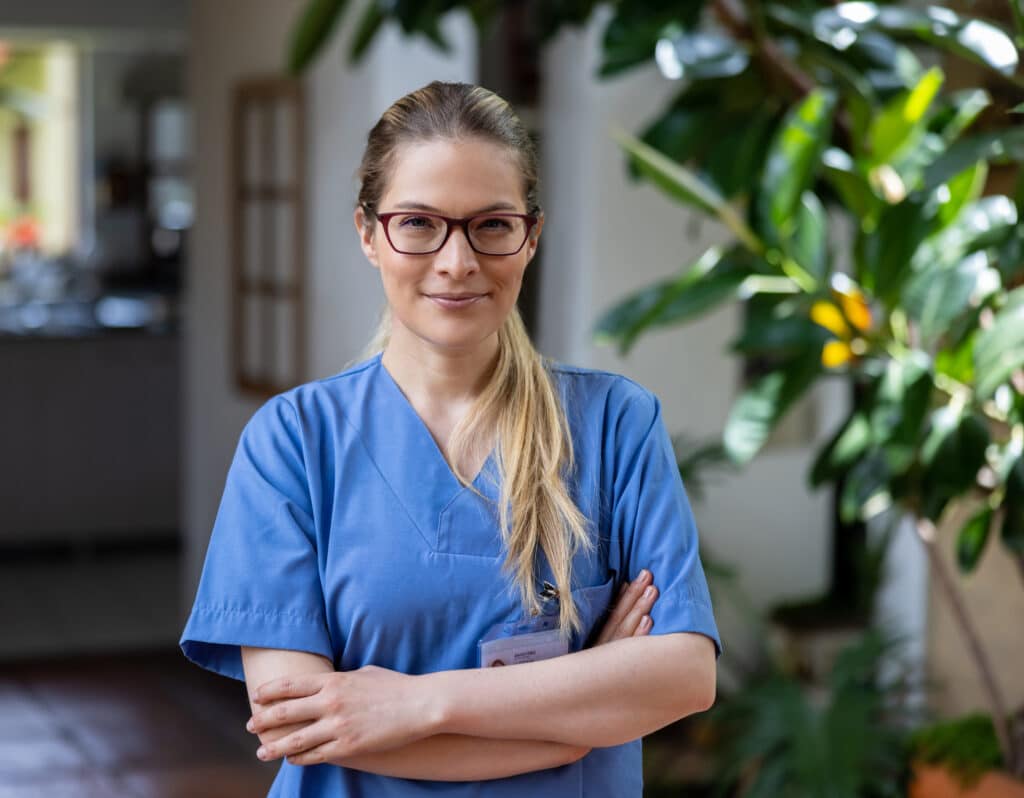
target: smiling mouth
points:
(455, 300)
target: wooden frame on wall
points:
(268, 227)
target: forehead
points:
(455, 176)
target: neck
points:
(430, 376)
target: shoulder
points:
(616, 397)
(310, 405)
(353, 380)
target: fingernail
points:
(249, 724)
(623, 588)
(261, 753)
(649, 591)
(644, 574)
(645, 622)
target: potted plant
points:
(960, 758)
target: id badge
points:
(527, 640)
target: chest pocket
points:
(592, 603)
(468, 525)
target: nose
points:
(456, 258)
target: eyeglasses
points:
(418, 233)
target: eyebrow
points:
(421, 206)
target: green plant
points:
(864, 246)
(846, 739)
(966, 747)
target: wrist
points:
(436, 707)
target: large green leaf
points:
(1013, 506)
(858, 96)
(999, 349)
(866, 488)
(846, 447)
(671, 177)
(953, 452)
(901, 123)
(699, 55)
(986, 222)
(884, 254)
(970, 543)
(735, 157)
(759, 408)
(958, 362)
(713, 279)
(1000, 146)
(973, 39)
(634, 30)
(964, 108)
(779, 328)
(935, 297)
(682, 132)
(808, 242)
(897, 407)
(366, 29)
(683, 185)
(314, 28)
(794, 159)
(960, 191)
(849, 183)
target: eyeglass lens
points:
(490, 235)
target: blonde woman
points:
(454, 502)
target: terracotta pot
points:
(934, 782)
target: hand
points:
(345, 713)
(629, 617)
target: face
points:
(455, 299)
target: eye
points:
(417, 222)
(493, 224)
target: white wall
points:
(606, 237)
(229, 40)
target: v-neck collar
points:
(409, 460)
(417, 420)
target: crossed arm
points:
(482, 723)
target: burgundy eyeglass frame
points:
(450, 222)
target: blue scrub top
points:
(342, 531)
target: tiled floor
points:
(78, 720)
(139, 726)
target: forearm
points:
(446, 757)
(455, 757)
(593, 698)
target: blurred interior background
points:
(176, 245)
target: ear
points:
(531, 242)
(365, 226)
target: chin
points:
(454, 340)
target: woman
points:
(455, 501)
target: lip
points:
(455, 301)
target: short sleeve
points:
(260, 584)
(652, 523)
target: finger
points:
(288, 687)
(300, 741)
(640, 608)
(627, 592)
(284, 713)
(626, 601)
(644, 626)
(314, 756)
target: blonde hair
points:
(519, 409)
